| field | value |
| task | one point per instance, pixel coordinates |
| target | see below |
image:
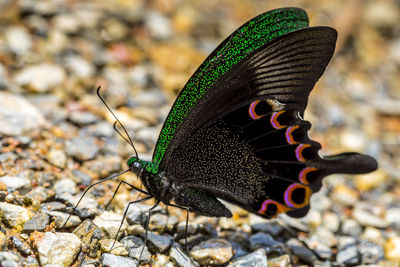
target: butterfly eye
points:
(136, 167)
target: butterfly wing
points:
(249, 37)
(245, 140)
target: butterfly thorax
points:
(155, 182)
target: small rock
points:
(53, 206)
(65, 186)
(344, 195)
(158, 25)
(80, 67)
(351, 227)
(109, 222)
(262, 240)
(281, 261)
(41, 78)
(212, 252)
(134, 245)
(21, 246)
(162, 223)
(57, 157)
(373, 235)
(112, 246)
(393, 216)
(392, 248)
(89, 234)
(348, 252)
(160, 243)
(257, 258)
(274, 229)
(109, 260)
(81, 178)
(137, 213)
(18, 39)
(365, 218)
(331, 221)
(58, 249)
(371, 180)
(13, 215)
(61, 217)
(179, 257)
(38, 222)
(14, 182)
(83, 117)
(18, 116)
(302, 252)
(370, 252)
(82, 148)
(8, 256)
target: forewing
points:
(249, 37)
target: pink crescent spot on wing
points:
(274, 120)
(288, 196)
(252, 110)
(299, 151)
(289, 134)
(304, 172)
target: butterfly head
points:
(137, 166)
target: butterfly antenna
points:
(126, 132)
(120, 134)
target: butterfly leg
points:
(147, 228)
(88, 188)
(123, 217)
(116, 190)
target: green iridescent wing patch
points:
(249, 37)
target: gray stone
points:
(138, 213)
(57, 157)
(58, 249)
(281, 261)
(18, 39)
(22, 247)
(109, 260)
(257, 258)
(134, 245)
(158, 25)
(61, 217)
(83, 117)
(263, 240)
(366, 218)
(348, 252)
(302, 252)
(82, 178)
(109, 222)
(38, 222)
(14, 182)
(351, 227)
(162, 222)
(271, 228)
(63, 186)
(40, 78)
(8, 256)
(212, 252)
(18, 116)
(82, 148)
(13, 215)
(180, 258)
(160, 243)
(371, 253)
(80, 67)
(53, 206)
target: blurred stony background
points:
(56, 137)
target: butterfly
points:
(236, 130)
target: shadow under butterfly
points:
(236, 131)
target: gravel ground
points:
(56, 138)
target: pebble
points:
(158, 25)
(109, 260)
(274, 229)
(18, 39)
(65, 186)
(53, 206)
(109, 222)
(371, 253)
(18, 116)
(392, 248)
(162, 222)
(40, 78)
(212, 252)
(257, 258)
(58, 249)
(83, 118)
(137, 213)
(81, 178)
(366, 218)
(59, 219)
(80, 67)
(38, 222)
(393, 216)
(160, 243)
(14, 215)
(134, 245)
(89, 234)
(180, 258)
(300, 251)
(22, 247)
(351, 227)
(57, 157)
(263, 240)
(281, 261)
(14, 182)
(112, 246)
(82, 148)
(348, 252)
